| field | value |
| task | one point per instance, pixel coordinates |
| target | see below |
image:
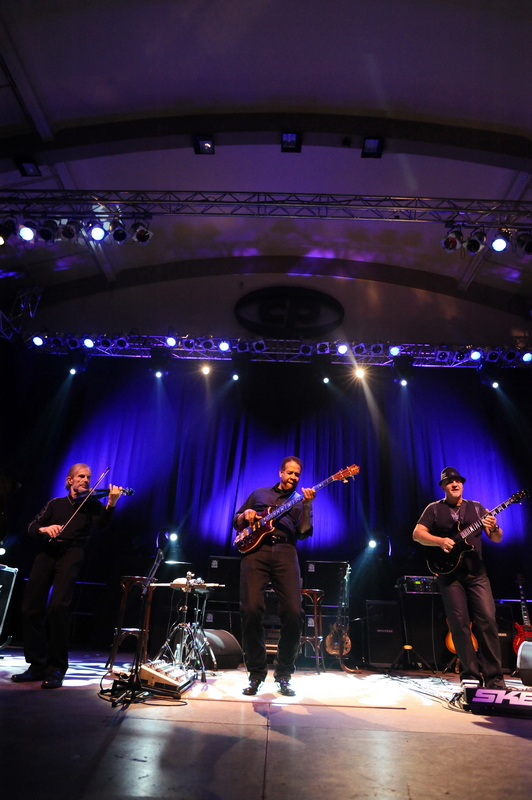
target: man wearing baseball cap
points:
(465, 588)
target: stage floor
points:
(366, 735)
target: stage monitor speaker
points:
(225, 570)
(326, 575)
(7, 582)
(385, 637)
(226, 650)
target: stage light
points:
(55, 342)
(453, 240)
(28, 230)
(48, 230)
(403, 382)
(442, 356)
(394, 350)
(377, 349)
(188, 344)
(203, 145)
(326, 380)
(38, 341)
(501, 241)
(70, 229)
(140, 233)
(372, 544)
(306, 349)
(72, 342)
(404, 368)
(291, 142)
(121, 342)
(475, 355)
(205, 370)
(493, 356)
(207, 344)
(242, 346)
(117, 231)
(523, 242)
(476, 242)
(3, 550)
(171, 341)
(88, 342)
(342, 348)
(7, 229)
(106, 342)
(27, 168)
(258, 346)
(224, 346)
(359, 372)
(359, 349)
(96, 231)
(527, 357)
(510, 355)
(158, 374)
(323, 348)
(235, 376)
(372, 147)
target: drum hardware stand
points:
(130, 689)
(407, 658)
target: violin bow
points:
(89, 493)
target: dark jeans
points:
(47, 625)
(467, 598)
(276, 563)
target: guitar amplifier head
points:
(417, 584)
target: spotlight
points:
(523, 241)
(71, 342)
(501, 241)
(38, 341)
(77, 363)
(291, 142)
(459, 357)
(159, 358)
(372, 544)
(140, 233)
(70, 229)
(188, 344)
(510, 356)
(28, 231)
(106, 342)
(377, 349)
(475, 355)
(207, 344)
(453, 240)
(359, 349)
(96, 231)
(359, 372)
(493, 356)
(171, 341)
(489, 374)
(394, 350)
(7, 229)
(258, 346)
(442, 356)
(323, 348)
(203, 145)
(27, 168)
(372, 147)
(48, 230)
(326, 380)
(55, 342)
(306, 349)
(117, 231)
(88, 342)
(224, 346)
(342, 348)
(235, 376)
(242, 346)
(404, 368)
(121, 342)
(205, 370)
(476, 242)
(527, 357)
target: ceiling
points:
(106, 97)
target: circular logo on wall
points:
(281, 311)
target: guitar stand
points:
(407, 658)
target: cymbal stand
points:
(130, 689)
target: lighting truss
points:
(132, 205)
(281, 350)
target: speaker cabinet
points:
(7, 581)
(427, 628)
(225, 570)
(222, 619)
(326, 575)
(384, 634)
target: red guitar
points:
(249, 538)
(524, 631)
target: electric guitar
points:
(443, 563)
(250, 537)
(524, 631)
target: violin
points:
(99, 493)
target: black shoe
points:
(253, 686)
(31, 674)
(53, 680)
(284, 688)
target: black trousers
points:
(277, 563)
(47, 618)
(467, 598)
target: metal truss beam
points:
(284, 351)
(84, 205)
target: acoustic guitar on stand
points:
(250, 537)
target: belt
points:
(274, 538)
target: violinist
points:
(62, 530)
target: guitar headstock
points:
(518, 496)
(348, 472)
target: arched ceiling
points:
(108, 96)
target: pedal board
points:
(499, 702)
(165, 677)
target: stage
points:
(366, 735)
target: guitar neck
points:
(278, 510)
(480, 522)
(524, 609)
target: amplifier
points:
(418, 584)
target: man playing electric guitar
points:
(466, 590)
(274, 560)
